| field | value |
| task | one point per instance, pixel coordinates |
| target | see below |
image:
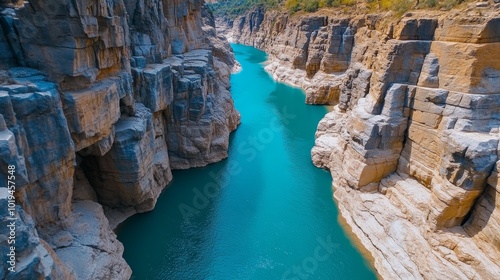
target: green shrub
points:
(325, 3)
(292, 5)
(430, 3)
(234, 8)
(348, 2)
(398, 6)
(311, 6)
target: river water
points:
(264, 213)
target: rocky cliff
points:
(413, 142)
(99, 100)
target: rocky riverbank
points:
(98, 102)
(413, 142)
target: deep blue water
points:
(264, 213)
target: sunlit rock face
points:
(413, 142)
(311, 52)
(121, 92)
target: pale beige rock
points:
(485, 218)
(394, 228)
(417, 95)
(465, 67)
(428, 110)
(92, 112)
(321, 88)
(88, 245)
(310, 52)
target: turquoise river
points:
(264, 213)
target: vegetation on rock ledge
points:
(234, 8)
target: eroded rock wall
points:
(417, 146)
(99, 100)
(413, 142)
(311, 52)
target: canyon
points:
(99, 100)
(412, 142)
(241, 218)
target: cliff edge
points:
(99, 100)
(413, 140)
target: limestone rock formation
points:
(413, 142)
(34, 257)
(88, 245)
(98, 102)
(44, 158)
(311, 52)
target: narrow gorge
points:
(107, 104)
(266, 212)
(412, 142)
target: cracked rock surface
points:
(99, 101)
(413, 141)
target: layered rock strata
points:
(413, 142)
(98, 102)
(312, 52)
